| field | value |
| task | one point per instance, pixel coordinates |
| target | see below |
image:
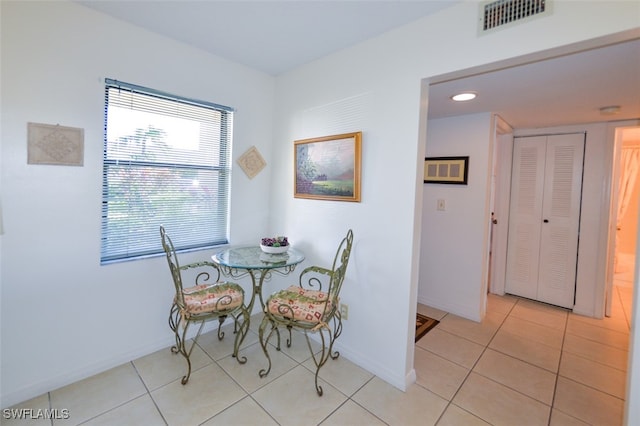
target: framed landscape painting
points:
(328, 168)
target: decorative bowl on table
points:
(276, 245)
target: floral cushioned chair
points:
(309, 307)
(207, 299)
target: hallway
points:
(529, 363)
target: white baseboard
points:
(471, 313)
(381, 371)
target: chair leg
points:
(324, 354)
(221, 321)
(174, 318)
(175, 321)
(241, 333)
(289, 340)
(337, 327)
(264, 342)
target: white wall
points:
(64, 316)
(453, 264)
(50, 258)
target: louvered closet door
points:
(561, 219)
(544, 218)
(525, 215)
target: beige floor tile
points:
(98, 394)
(543, 307)
(438, 375)
(498, 404)
(593, 374)
(587, 404)
(525, 378)
(27, 413)
(218, 349)
(247, 374)
(604, 354)
(546, 315)
(618, 298)
(243, 413)
(299, 349)
(431, 312)
(456, 416)
(617, 324)
(625, 292)
(500, 304)
(618, 309)
(209, 391)
(256, 319)
(342, 374)
(416, 406)
(291, 399)
(140, 411)
(558, 418)
(626, 301)
(164, 366)
(480, 333)
(352, 414)
(598, 334)
(526, 350)
(549, 336)
(451, 347)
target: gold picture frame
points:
(328, 168)
(449, 170)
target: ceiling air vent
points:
(500, 13)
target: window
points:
(166, 162)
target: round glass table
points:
(238, 262)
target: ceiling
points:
(267, 35)
(278, 36)
(568, 89)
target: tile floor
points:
(526, 364)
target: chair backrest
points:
(340, 263)
(174, 266)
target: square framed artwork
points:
(251, 162)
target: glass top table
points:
(237, 262)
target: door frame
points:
(500, 198)
(614, 150)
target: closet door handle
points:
(546, 221)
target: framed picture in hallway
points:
(328, 168)
(450, 170)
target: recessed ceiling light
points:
(465, 96)
(610, 110)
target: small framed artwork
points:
(55, 145)
(451, 170)
(328, 168)
(251, 162)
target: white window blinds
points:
(166, 162)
